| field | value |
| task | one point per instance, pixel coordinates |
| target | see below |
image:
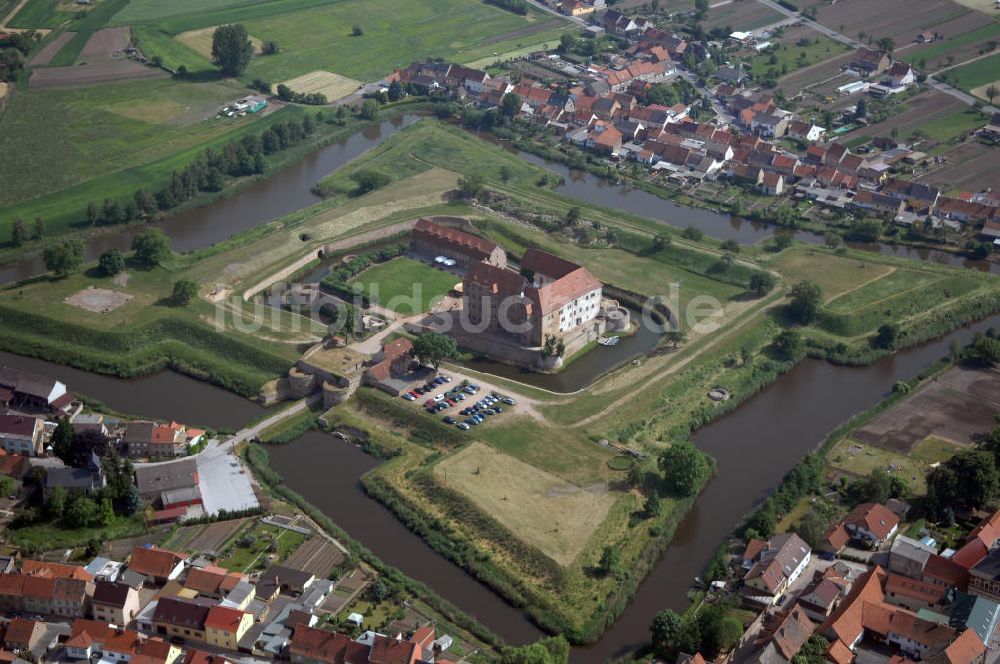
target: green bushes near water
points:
(424, 430)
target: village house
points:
(869, 62)
(90, 422)
(177, 617)
(782, 636)
(311, 645)
(90, 638)
(806, 131)
(913, 594)
(23, 634)
(156, 564)
(900, 75)
(225, 626)
(871, 524)
(390, 366)
(115, 603)
(154, 480)
(772, 567)
(821, 597)
(22, 434)
(875, 203)
(773, 184)
(29, 391)
(909, 557)
(212, 581)
(770, 125)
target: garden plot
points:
(330, 85)
(958, 405)
(545, 511)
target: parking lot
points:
(464, 404)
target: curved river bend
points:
(755, 446)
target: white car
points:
(438, 397)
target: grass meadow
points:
(393, 284)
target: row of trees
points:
(13, 49)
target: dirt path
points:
(12, 13)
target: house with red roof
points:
(225, 626)
(429, 239)
(159, 565)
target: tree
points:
(731, 246)
(666, 632)
(111, 262)
(986, 350)
(369, 110)
(782, 241)
(887, 336)
(64, 258)
(661, 241)
(57, 502)
(991, 92)
(611, 561)
(510, 106)
(693, 233)
(470, 187)
(676, 336)
(143, 201)
(18, 234)
(81, 512)
(368, 180)
(789, 345)
(270, 48)
(357, 31)
(805, 299)
(812, 528)
(433, 348)
(380, 592)
(861, 109)
(39, 231)
(553, 650)
(653, 506)
(62, 440)
(684, 468)
(396, 91)
(86, 444)
(832, 240)
(813, 651)
(93, 214)
(573, 216)
(151, 247)
(761, 283)
(185, 290)
(231, 49)
(979, 484)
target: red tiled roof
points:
(55, 570)
(452, 239)
(325, 646)
(874, 517)
(967, 648)
(154, 561)
(754, 547)
(20, 631)
(839, 653)
(927, 593)
(392, 651)
(224, 618)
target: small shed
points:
(356, 619)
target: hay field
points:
(200, 41)
(333, 86)
(545, 511)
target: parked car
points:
(463, 426)
(509, 401)
(448, 419)
(409, 397)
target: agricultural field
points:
(200, 41)
(932, 107)
(836, 275)
(332, 86)
(901, 20)
(551, 514)
(963, 39)
(46, 13)
(857, 459)
(744, 16)
(75, 134)
(817, 77)
(405, 285)
(394, 34)
(971, 166)
(975, 77)
(952, 126)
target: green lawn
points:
(793, 56)
(49, 536)
(243, 558)
(937, 52)
(405, 285)
(152, 10)
(42, 14)
(946, 128)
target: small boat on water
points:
(608, 341)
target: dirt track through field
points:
(45, 56)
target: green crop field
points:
(975, 74)
(316, 35)
(42, 14)
(406, 286)
(939, 50)
(69, 135)
(950, 126)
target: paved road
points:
(965, 98)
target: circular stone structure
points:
(300, 383)
(718, 394)
(333, 394)
(618, 319)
